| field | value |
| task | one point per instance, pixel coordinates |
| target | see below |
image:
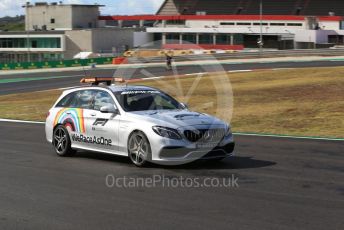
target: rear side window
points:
(86, 99)
(65, 101)
(83, 99)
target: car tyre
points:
(62, 142)
(139, 149)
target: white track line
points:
(240, 71)
(66, 88)
(151, 78)
(276, 69)
(21, 121)
(192, 74)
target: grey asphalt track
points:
(283, 184)
(74, 76)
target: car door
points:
(104, 126)
(79, 111)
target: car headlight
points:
(167, 132)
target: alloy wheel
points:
(60, 140)
(138, 149)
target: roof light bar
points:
(99, 80)
(119, 80)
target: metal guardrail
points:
(243, 55)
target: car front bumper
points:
(181, 151)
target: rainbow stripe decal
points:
(73, 118)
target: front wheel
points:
(139, 149)
(61, 142)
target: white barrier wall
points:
(329, 25)
(316, 36)
(142, 38)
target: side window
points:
(101, 99)
(83, 99)
(65, 102)
(162, 102)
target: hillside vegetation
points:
(12, 23)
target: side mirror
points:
(184, 106)
(109, 109)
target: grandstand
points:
(251, 7)
(236, 24)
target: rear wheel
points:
(61, 142)
(139, 149)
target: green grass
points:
(12, 26)
(304, 102)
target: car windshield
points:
(142, 100)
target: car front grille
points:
(204, 135)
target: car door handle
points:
(93, 114)
(68, 113)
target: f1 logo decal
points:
(100, 122)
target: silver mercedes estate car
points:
(142, 123)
